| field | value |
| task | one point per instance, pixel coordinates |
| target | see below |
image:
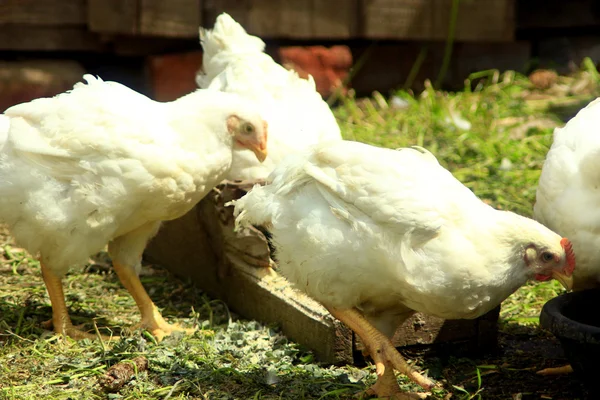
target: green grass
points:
(493, 137)
(499, 156)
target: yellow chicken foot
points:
(387, 387)
(61, 322)
(382, 351)
(564, 370)
(152, 320)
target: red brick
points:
(174, 75)
(328, 66)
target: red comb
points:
(568, 247)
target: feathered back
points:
(351, 221)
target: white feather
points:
(234, 62)
(568, 194)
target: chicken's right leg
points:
(384, 354)
(387, 387)
(60, 316)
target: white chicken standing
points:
(568, 199)
(234, 61)
(375, 234)
(104, 164)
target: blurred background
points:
(153, 46)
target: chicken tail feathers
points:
(257, 207)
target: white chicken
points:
(104, 164)
(375, 234)
(567, 198)
(234, 62)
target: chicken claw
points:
(75, 332)
(152, 320)
(158, 327)
(384, 354)
(387, 387)
(61, 322)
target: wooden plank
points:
(174, 18)
(235, 268)
(238, 9)
(47, 38)
(334, 19)
(299, 19)
(113, 16)
(405, 19)
(477, 21)
(55, 38)
(43, 12)
(492, 20)
(288, 19)
(265, 18)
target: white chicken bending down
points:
(104, 164)
(234, 62)
(568, 199)
(375, 234)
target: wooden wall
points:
(95, 25)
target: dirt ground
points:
(508, 373)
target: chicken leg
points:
(385, 356)
(151, 317)
(126, 253)
(60, 316)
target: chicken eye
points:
(248, 129)
(547, 257)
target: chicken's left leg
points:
(383, 352)
(61, 321)
(126, 253)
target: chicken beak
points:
(564, 279)
(260, 151)
(260, 146)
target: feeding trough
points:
(237, 267)
(572, 319)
